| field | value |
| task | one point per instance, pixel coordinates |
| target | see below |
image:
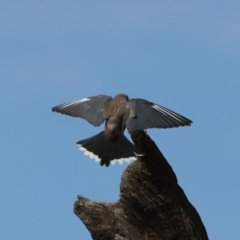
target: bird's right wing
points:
(144, 114)
(90, 109)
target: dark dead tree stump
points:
(152, 205)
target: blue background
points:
(182, 55)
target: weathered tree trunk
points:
(151, 206)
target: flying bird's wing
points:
(144, 114)
(90, 109)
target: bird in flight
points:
(120, 112)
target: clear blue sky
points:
(182, 55)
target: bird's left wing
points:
(90, 109)
(144, 114)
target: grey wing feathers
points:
(144, 114)
(90, 109)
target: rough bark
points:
(151, 206)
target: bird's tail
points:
(105, 150)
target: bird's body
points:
(118, 113)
